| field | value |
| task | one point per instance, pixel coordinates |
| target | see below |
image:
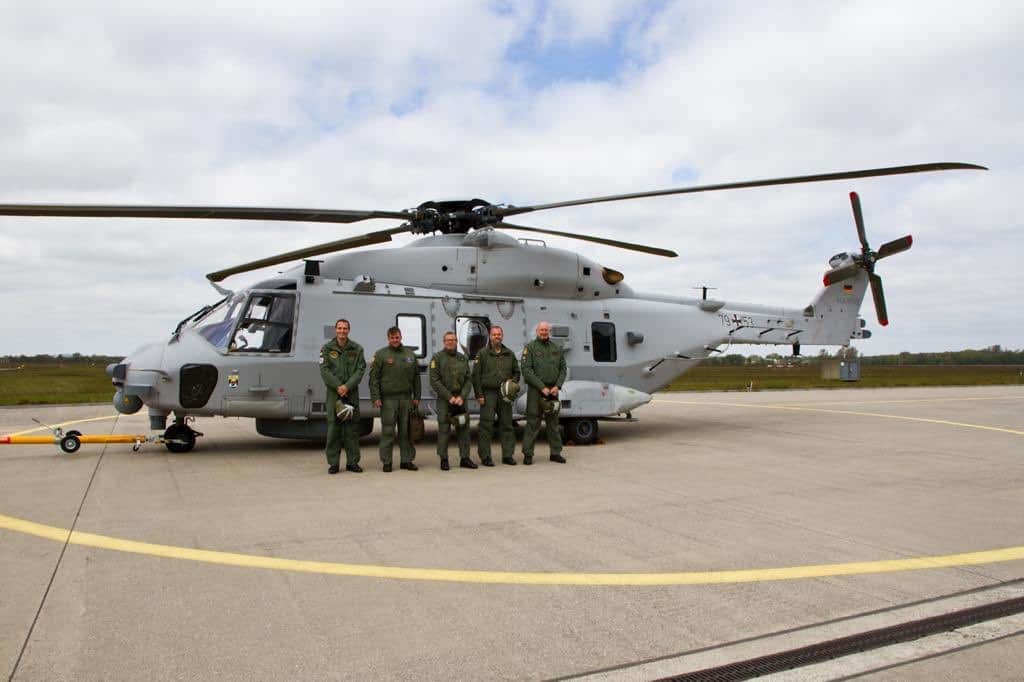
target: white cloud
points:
(339, 107)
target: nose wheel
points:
(180, 438)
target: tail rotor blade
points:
(879, 295)
(895, 246)
(841, 274)
(858, 217)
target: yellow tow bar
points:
(70, 441)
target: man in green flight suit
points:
(341, 367)
(395, 390)
(449, 377)
(544, 371)
(495, 364)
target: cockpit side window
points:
(266, 326)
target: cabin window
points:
(473, 334)
(266, 325)
(414, 332)
(603, 335)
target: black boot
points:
(508, 460)
(333, 469)
(467, 463)
(557, 458)
(444, 464)
(408, 466)
(487, 462)
(387, 468)
(354, 468)
(527, 460)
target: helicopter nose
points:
(117, 371)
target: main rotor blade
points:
(319, 249)
(310, 215)
(822, 177)
(600, 240)
(895, 246)
(858, 217)
(879, 295)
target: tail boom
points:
(832, 318)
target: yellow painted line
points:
(509, 577)
(911, 401)
(63, 424)
(793, 408)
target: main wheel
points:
(70, 443)
(581, 431)
(179, 438)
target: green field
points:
(82, 383)
(49, 384)
(761, 377)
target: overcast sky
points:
(309, 104)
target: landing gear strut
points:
(180, 437)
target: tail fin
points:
(834, 313)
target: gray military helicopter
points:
(254, 352)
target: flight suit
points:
(342, 366)
(491, 370)
(543, 366)
(395, 381)
(449, 376)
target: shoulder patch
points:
(433, 363)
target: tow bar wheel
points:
(70, 443)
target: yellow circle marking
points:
(508, 577)
(536, 578)
(760, 406)
(63, 424)
(914, 400)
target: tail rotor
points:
(867, 259)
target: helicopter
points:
(254, 352)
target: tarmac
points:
(719, 527)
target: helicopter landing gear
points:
(581, 431)
(180, 437)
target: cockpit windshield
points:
(217, 323)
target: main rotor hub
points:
(452, 217)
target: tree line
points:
(993, 355)
(60, 359)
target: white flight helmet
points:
(509, 390)
(343, 411)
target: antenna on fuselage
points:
(704, 289)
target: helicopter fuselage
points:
(255, 354)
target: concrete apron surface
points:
(245, 560)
